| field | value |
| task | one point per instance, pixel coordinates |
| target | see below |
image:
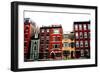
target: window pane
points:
(56, 38)
(34, 47)
(82, 52)
(56, 46)
(58, 54)
(47, 37)
(66, 44)
(56, 31)
(87, 53)
(81, 43)
(36, 35)
(47, 46)
(86, 43)
(81, 35)
(42, 30)
(76, 35)
(89, 26)
(80, 27)
(85, 34)
(77, 44)
(47, 30)
(84, 26)
(65, 36)
(76, 27)
(72, 44)
(88, 34)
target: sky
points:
(48, 18)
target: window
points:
(89, 26)
(85, 34)
(86, 43)
(80, 27)
(66, 36)
(41, 42)
(76, 35)
(76, 27)
(81, 43)
(56, 45)
(47, 30)
(47, 34)
(87, 53)
(72, 45)
(34, 47)
(47, 37)
(77, 44)
(82, 52)
(47, 46)
(35, 42)
(72, 36)
(66, 44)
(81, 35)
(77, 53)
(88, 34)
(36, 35)
(26, 21)
(46, 55)
(42, 34)
(42, 38)
(56, 38)
(58, 54)
(66, 53)
(84, 26)
(56, 31)
(35, 54)
(42, 30)
(47, 41)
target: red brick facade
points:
(26, 37)
(55, 47)
(82, 39)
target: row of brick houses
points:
(82, 39)
(51, 43)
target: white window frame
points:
(77, 43)
(47, 30)
(42, 30)
(65, 44)
(57, 31)
(89, 26)
(80, 27)
(85, 35)
(76, 27)
(84, 25)
(86, 43)
(81, 34)
(76, 35)
(81, 43)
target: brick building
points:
(26, 38)
(82, 39)
(68, 45)
(44, 43)
(55, 48)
